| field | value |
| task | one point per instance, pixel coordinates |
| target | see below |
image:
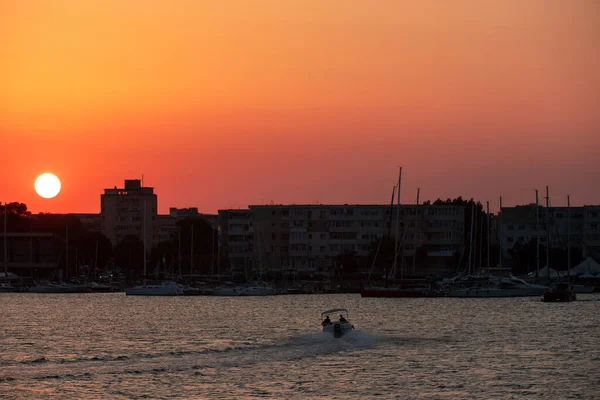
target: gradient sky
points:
(222, 104)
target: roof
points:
(333, 310)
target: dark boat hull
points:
(559, 296)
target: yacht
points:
(508, 286)
(337, 327)
(164, 289)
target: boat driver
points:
(342, 319)
(326, 321)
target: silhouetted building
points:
(131, 210)
(92, 222)
(29, 254)
(308, 239)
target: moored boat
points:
(164, 289)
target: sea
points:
(112, 346)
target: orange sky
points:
(229, 103)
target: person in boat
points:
(342, 319)
(326, 321)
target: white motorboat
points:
(164, 289)
(337, 327)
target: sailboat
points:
(259, 287)
(408, 288)
(490, 286)
(562, 292)
(166, 288)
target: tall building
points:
(131, 210)
(308, 239)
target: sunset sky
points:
(221, 104)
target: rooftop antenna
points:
(142, 180)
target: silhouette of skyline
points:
(221, 107)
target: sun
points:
(47, 185)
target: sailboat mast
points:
(179, 252)
(420, 229)
(548, 232)
(5, 244)
(260, 253)
(487, 210)
(192, 251)
(396, 249)
(500, 225)
(144, 238)
(569, 238)
(391, 212)
(471, 238)
(480, 242)
(537, 235)
(67, 255)
(212, 257)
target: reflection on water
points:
(110, 345)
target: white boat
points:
(258, 289)
(508, 286)
(337, 328)
(164, 289)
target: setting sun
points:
(47, 185)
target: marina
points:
(188, 347)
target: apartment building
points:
(236, 239)
(307, 239)
(130, 210)
(553, 224)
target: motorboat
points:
(337, 328)
(561, 293)
(164, 289)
